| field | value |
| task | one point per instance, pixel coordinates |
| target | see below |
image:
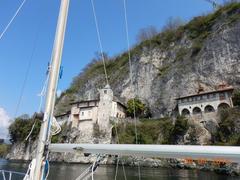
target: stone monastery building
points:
(84, 114)
(205, 102)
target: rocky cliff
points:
(174, 63)
(171, 64)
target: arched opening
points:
(197, 110)
(223, 106)
(185, 112)
(209, 109)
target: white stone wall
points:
(114, 109)
(75, 116)
(86, 130)
(120, 112)
(117, 110)
(86, 113)
(105, 108)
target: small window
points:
(222, 96)
(105, 91)
(208, 97)
(82, 113)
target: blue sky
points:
(35, 27)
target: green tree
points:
(180, 128)
(236, 97)
(228, 131)
(135, 106)
(4, 148)
(20, 128)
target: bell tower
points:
(105, 107)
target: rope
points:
(89, 172)
(116, 172)
(29, 63)
(26, 77)
(12, 19)
(99, 40)
(130, 67)
(131, 78)
(92, 169)
(84, 173)
(43, 93)
(124, 172)
(29, 174)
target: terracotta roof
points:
(208, 92)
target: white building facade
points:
(84, 114)
(205, 102)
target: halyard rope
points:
(131, 78)
(12, 19)
(99, 40)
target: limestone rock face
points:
(162, 74)
(23, 151)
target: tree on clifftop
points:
(20, 128)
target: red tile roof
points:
(230, 88)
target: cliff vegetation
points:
(167, 64)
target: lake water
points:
(60, 171)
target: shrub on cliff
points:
(180, 128)
(20, 128)
(4, 148)
(149, 131)
(229, 127)
(236, 97)
(140, 109)
(63, 135)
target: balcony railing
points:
(9, 175)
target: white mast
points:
(52, 86)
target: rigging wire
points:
(118, 141)
(130, 67)
(99, 40)
(131, 78)
(27, 73)
(12, 19)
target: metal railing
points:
(8, 175)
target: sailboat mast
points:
(52, 87)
